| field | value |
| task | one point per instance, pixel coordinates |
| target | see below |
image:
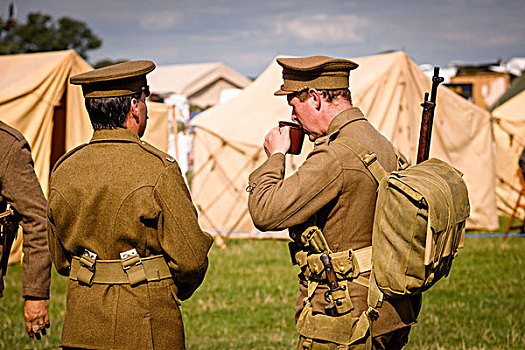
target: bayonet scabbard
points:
(337, 296)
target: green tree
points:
(41, 33)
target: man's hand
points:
(36, 317)
(277, 140)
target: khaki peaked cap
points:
(318, 72)
(116, 80)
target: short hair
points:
(329, 95)
(109, 112)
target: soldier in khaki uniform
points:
(22, 201)
(331, 191)
(122, 224)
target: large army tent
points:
(201, 83)
(509, 133)
(388, 88)
(37, 99)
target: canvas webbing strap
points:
(368, 158)
(111, 271)
(375, 296)
(364, 258)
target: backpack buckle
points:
(369, 158)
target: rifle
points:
(337, 296)
(427, 118)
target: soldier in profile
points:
(328, 207)
(22, 202)
(122, 224)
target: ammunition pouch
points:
(348, 264)
(312, 240)
(131, 269)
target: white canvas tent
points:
(37, 99)
(509, 133)
(388, 88)
(201, 83)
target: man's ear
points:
(134, 109)
(315, 97)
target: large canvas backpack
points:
(418, 224)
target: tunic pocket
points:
(166, 318)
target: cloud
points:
(159, 20)
(325, 29)
(475, 39)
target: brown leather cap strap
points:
(111, 271)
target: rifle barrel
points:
(427, 118)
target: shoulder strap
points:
(164, 157)
(368, 158)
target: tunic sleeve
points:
(21, 188)
(276, 203)
(57, 210)
(181, 237)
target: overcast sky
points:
(247, 34)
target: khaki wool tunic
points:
(114, 194)
(333, 190)
(20, 188)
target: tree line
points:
(40, 33)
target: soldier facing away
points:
(22, 201)
(122, 224)
(328, 206)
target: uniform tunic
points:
(20, 188)
(109, 196)
(335, 192)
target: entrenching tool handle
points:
(427, 118)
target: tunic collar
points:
(118, 134)
(339, 121)
(343, 118)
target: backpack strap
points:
(368, 158)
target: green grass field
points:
(248, 296)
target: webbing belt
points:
(112, 272)
(347, 264)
